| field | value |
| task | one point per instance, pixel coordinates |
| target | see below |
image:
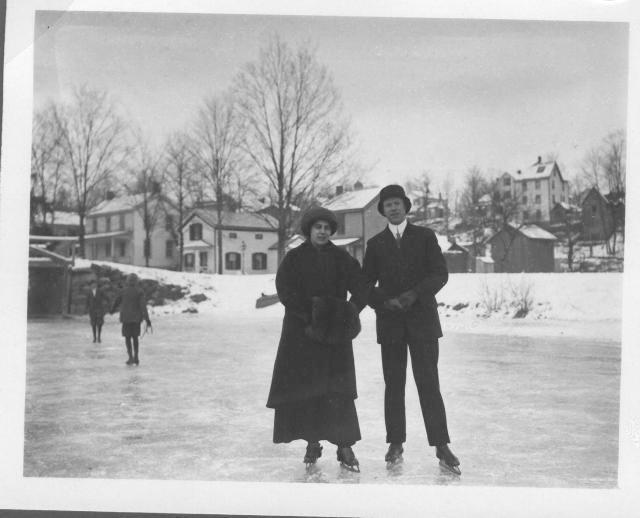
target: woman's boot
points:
(347, 458)
(314, 452)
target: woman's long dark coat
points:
(305, 368)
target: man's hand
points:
(407, 299)
(393, 305)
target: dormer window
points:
(540, 169)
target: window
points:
(232, 261)
(107, 249)
(594, 209)
(168, 222)
(94, 250)
(195, 231)
(524, 185)
(204, 257)
(524, 200)
(233, 235)
(553, 199)
(168, 248)
(258, 236)
(121, 222)
(553, 184)
(538, 184)
(94, 225)
(537, 198)
(506, 181)
(259, 261)
(538, 215)
(108, 224)
(123, 248)
(189, 260)
(146, 246)
(525, 215)
(540, 169)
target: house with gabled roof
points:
(358, 218)
(237, 243)
(522, 248)
(114, 231)
(597, 216)
(537, 188)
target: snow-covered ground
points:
(561, 304)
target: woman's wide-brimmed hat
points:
(393, 191)
(316, 214)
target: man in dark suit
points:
(407, 263)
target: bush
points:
(491, 297)
(522, 297)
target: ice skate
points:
(347, 459)
(448, 460)
(129, 361)
(314, 452)
(394, 454)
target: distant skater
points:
(133, 310)
(97, 306)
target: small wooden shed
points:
(525, 248)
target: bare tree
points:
(215, 149)
(146, 190)
(474, 214)
(295, 130)
(93, 142)
(47, 163)
(615, 168)
(421, 186)
(179, 186)
(447, 188)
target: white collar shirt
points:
(398, 229)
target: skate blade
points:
(354, 469)
(451, 469)
(394, 462)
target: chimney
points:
(357, 186)
(539, 159)
(110, 195)
(339, 190)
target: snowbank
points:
(569, 300)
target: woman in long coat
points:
(314, 384)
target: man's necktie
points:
(398, 238)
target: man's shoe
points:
(130, 361)
(394, 454)
(447, 459)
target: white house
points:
(537, 188)
(246, 241)
(114, 231)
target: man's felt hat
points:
(393, 191)
(316, 214)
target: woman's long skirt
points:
(330, 418)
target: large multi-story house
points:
(358, 218)
(537, 189)
(246, 242)
(114, 231)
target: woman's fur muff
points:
(333, 321)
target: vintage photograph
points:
(325, 249)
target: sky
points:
(422, 94)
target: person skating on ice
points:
(133, 311)
(97, 305)
(313, 387)
(407, 263)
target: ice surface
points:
(523, 410)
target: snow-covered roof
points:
(115, 233)
(66, 218)
(235, 220)
(344, 241)
(535, 232)
(536, 171)
(201, 243)
(292, 242)
(118, 204)
(353, 200)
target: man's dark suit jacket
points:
(418, 265)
